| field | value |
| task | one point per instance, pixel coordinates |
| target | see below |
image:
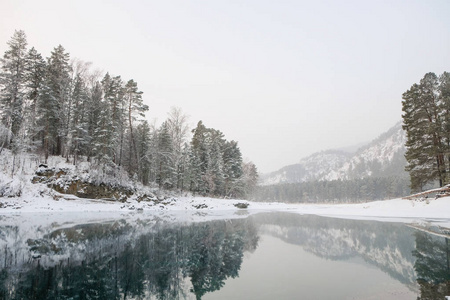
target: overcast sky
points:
(283, 78)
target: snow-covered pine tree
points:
(143, 140)
(192, 175)
(94, 119)
(47, 120)
(232, 158)
(182, 173)
(77, 106)
(153, 153)
(136, 111)
(78, 126)
(198, 164)
(166, 172)
(35, 74)
(12, 81)
(58, 74)
(215, 176)
(423, 125)
(444, 95)
(113, 94)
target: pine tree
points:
(58, 74)
(48, 119)
(135, 109)
(35, 76)
(166, 171)
(12, 80)
(444, 95)
(95, 121)
(215, 176)
(76, 109)
(422, 121)
(153, 153)
(113, 92)
(233, 169)
(78, 125)
(143, 138)
(198, 164)
(193, 173)
(182, 173)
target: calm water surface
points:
(265, 256)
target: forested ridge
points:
(376, 171)
(335, 191)
(59, 107)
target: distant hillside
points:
(314, 167)
(383, 157)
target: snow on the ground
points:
(400, 210)
(397, 209)
(37, 200)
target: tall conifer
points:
(12, 80)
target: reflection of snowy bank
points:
(386, 245)
(89, 244)
(121, 258)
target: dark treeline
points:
(336, 191)
(57, 106)
(111, 261)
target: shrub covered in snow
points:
(11, 187)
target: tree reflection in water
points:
(152, 259)
(113, 261)
(432, 266)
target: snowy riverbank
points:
(30, 199)
(400, 210)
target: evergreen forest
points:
(58, 106)
(335, 191)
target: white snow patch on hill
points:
(383, 156)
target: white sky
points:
(283, 78)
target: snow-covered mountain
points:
(313, 167)
(382, 157)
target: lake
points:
(262, 256)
